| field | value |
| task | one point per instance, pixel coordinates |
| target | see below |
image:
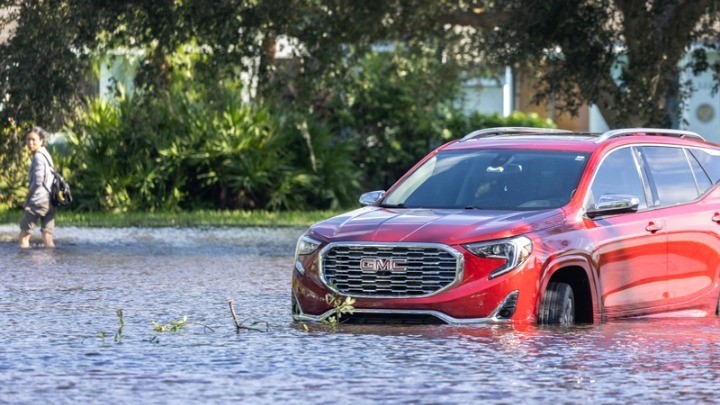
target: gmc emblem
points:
(377, 264)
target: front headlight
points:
(305, 246)
(514, 250)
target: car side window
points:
(618, 174)
(671, 174)
(703, 181)
(709, 162)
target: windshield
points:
(491, 179)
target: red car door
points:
(692, 213)
(630, 249)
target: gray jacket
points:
(41, 178)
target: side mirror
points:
(371, 198)
(610, 204)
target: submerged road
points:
(55, 306)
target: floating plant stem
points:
(241, 325)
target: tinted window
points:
(671, 175)
(711, 163)
(618, 174)
(702, 179)
(492, 179)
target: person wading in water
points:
(37, 203)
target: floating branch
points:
(241, 325)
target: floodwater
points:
(55, 304)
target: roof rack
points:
(488, 132)
(676, 133)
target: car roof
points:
(566, 142)
(552, 139)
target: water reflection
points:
(54, 303)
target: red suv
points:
(527, 224)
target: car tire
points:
(558, 305)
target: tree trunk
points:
(265, 67)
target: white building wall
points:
(117, 70)
(702, 110)
(488, 95)
(597, 122)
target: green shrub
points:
(324, 175)
(238, 156)
(197, 149)
(461, 125)
(398, 106)
(196, 145)
(395, 106)
(115, 158)
(14, 164)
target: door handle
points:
(653, 227)
(716, 218)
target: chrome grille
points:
(423, 269)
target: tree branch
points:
(607, 99)
(481, 20)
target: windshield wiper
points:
(401, 205)
(474, 207)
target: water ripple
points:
(54, 304)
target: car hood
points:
(449, 226)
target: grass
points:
(178, 219)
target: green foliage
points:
(14, 164)
(172, 326)
(340, 307)
(199, 146)
(236, 154)
(325, 174)
(461, 125)
(45, 59)
(623, 56)
(202, 147)
(319, 126)
(52, 42)
(396, 106)
(121, 326)
(115, 160)
(186, 140)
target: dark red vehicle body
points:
(658, 260)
